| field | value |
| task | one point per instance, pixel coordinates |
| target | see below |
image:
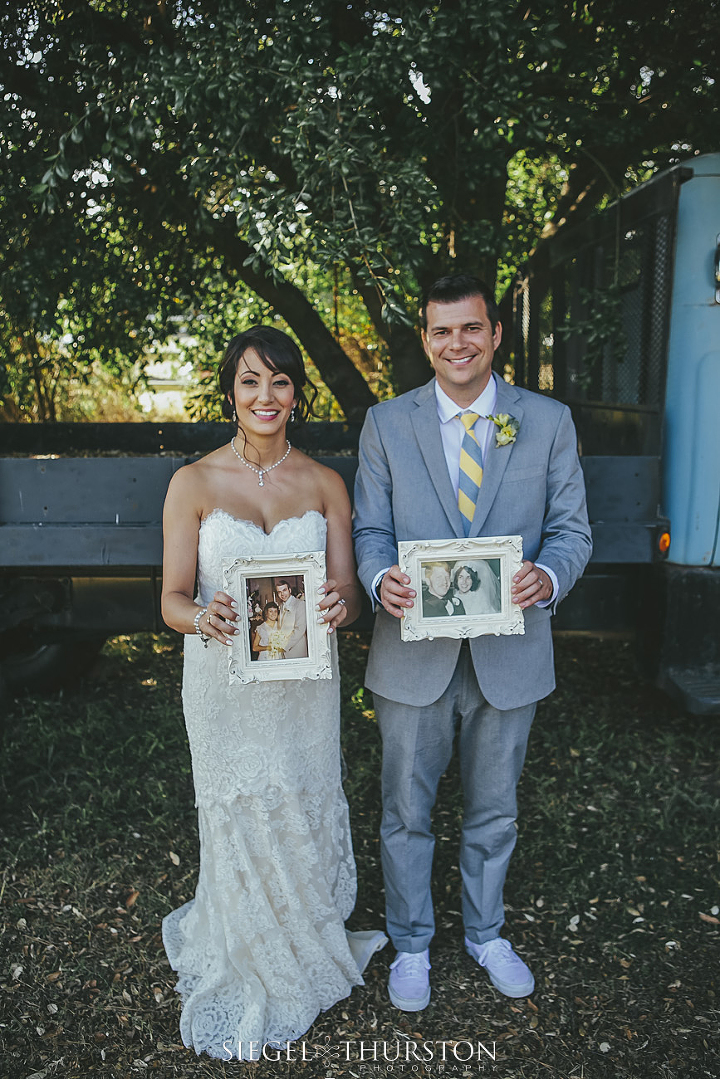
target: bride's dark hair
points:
(279, 353)
(475, 580)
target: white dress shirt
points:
(452, 432)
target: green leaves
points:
(396, 141)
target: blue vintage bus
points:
(624, 326)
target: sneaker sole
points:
(505, 988)
(409, 1004)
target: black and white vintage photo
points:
(464, 587)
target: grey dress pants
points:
(417, 746)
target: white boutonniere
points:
(508, 428)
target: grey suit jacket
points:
(533, 488)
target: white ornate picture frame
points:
(463, 587)
(258, 652)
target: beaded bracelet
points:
(203, 636)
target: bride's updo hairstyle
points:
(279, 353)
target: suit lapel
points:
(497, 457)
(426, 425)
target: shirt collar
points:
(484, 404)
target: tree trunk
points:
(409, 363)
(338, 372)
(44, 406)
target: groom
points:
(293, 621)
(431, 467)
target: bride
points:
(262, 949)
(266, 638)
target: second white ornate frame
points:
(486, 606)
(307, 570)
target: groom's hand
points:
(395, 595)
(530, 585)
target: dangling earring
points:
(234, 416)
(292, 414)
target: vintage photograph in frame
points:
(279, 634)
(462, 586)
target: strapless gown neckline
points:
(252, 524)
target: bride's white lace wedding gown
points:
(262, 949)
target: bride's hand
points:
(216, 622)
(331, 608)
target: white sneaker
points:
(506, 970)
(409, 984)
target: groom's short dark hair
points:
(459, 286)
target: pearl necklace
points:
(260, 472)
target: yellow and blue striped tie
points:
(471, 471)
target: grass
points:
(612, 896)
